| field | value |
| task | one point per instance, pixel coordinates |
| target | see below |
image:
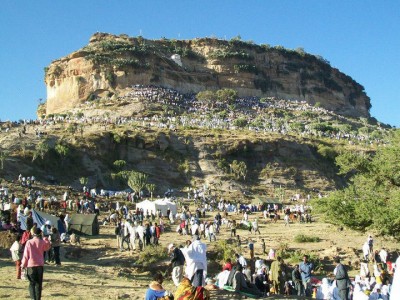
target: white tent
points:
(171, 205)
(154, 206)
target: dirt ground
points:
(98, 270)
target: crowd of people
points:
(200, 114)
(212, 218)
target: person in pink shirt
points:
(33, 260)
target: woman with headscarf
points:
(358, 291)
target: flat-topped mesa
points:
(110, 64)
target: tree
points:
(62, 150)
(41, 150)
(372, 200)
(227, 96)
(137, 181)
(83, 181)
(151, 187)
(238, 169)
(3, 157)
(207, 97)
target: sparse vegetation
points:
(225, 249)
(151, 255)
(302, 238)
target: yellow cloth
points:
(186, 291)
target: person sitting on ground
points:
(324, 291)
(155, 290)
(261, 280)
(186, 291)
(240, 260)
(228, 265)
(241, 284)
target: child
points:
(238, 241)
(251, 248)
(16, 253)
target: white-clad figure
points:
(395, 291)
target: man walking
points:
(33, 260)
(177, 262)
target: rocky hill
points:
(242, 118)
(109, 64)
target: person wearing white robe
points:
(132, 236)
(324, 291)
(395, 291)
(196, 261)
(365, 250)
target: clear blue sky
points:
(360, 38)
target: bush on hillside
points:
(302, 238)
(152, 254)
(225, 249)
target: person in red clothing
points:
(16, 253)
(33, 260)
(157, 230)
(228, 265)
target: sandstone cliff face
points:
(109, 64)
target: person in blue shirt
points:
(306, 269)
(155, 289)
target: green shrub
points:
(302, 238)
(184, 167)
(225, 249)
(240, 122)
(152, 254)
(245, 68)
(327, 152)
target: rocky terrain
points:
(109, 64)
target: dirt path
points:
(103, 272)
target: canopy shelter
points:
(171, 205)
(154, 206)
(84, 224)
(40, 219)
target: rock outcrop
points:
(109, 64)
